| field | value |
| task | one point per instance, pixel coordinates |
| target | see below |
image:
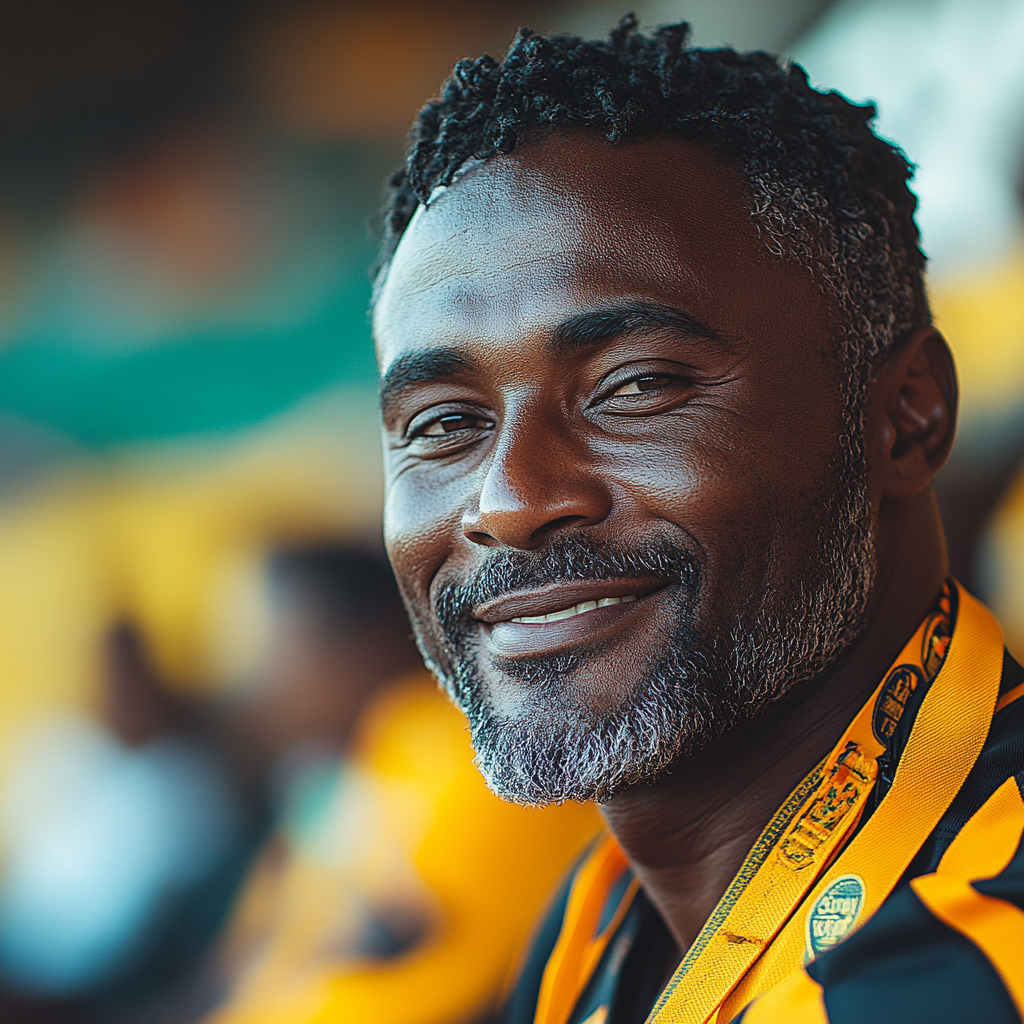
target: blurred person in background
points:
(124, 840)
(337, 633)
(397, 887)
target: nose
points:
(537, 483)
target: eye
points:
(641, 385)
(444, 426)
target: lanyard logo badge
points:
(901, 682)
(834, 913)
(848, 780)
(935, 643)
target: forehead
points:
(567, 224)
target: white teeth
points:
(576, 609)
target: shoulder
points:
(945, 947)
(948, 944)
(1001, 758)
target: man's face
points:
(618, 504)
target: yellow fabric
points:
(797, 1000)
(982, 849)
(417, 827)
(760, 931)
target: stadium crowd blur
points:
(228, 790)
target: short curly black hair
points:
(826, 191)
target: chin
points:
(552, 737)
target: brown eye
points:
(450, 424)
(641, 385)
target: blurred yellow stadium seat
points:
(412, 829)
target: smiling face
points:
(618, 504)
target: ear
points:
(912, 415)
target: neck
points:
(688, 833)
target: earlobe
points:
(914, 408)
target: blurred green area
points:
(174, 260)
(107, 369)
(185, 191)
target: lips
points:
(576, 609)
(563, 600)
(562, 617)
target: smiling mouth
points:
(554, 602)
(563, 617)
(573, 610)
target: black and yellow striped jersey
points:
(888, 888)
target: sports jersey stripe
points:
(578, 948)
(522, 1001)
(1008, 698)
(1009, 884)
(984, 849)
(907, 965)
(1002, 757)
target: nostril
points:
(481, 538)
(561, 523)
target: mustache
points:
(563, 560)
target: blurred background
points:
(209, 707)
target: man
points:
(662, 405)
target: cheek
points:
(421, 523)
(694, 470)
(721, 504)
(750, 500)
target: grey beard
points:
(698, 688)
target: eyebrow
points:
(600, 325)
(577, 332)
(421, 368)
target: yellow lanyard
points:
(806, 891)
(805, 884)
